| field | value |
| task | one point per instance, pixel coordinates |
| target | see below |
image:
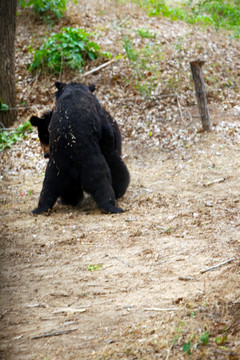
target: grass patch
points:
(144, 62)
(218, 13)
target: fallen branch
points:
(160, 309)
(216, 181)
(95, 69)
(37, 305)
(123, 262)
(186, 278)
(179, 108)
(69, 310)
(56, 333)
(216, 266)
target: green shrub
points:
(144, 63)
(70, 47)
(43, 7)
(145, 33)
(8, 138)
(219, 13)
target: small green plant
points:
(144, 63)
(159, 7)
(145, 33)
(131, 52)
(70, 47)
(220, 340)
(94, 267)
(45, 7)
(204, 338)
(177, 332)
(8, 138)
(187, 348)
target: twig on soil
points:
(171, 258)
(56, 333)
(179, 108)
(95, 69)
(216, 181)
(69, 310)
(160, 309)
(37, 305)
(216, 266)
(123, 262)
(187, 278)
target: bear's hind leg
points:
(96, 180)
(119, 172)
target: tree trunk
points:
(8, 10)
(196, 68)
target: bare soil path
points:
(79, 284)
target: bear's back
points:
(75, 122)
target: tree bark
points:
(8, 10)
(196, 68)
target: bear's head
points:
(43, 133)
(61, 86)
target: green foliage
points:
(70, 47)
(193, 341)
(177, 332)
(218, 13)
(95, 267)
(187, 348)
(144, 63)
(44, 7)
(131, 52)
(220, 340)
(3, 106)
(145, 33)
(204, 338)
(8, 138)
(159, 7)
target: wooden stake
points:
(196, 68)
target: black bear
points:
(84, 155)
(42, 124)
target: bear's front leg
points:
(49, 193)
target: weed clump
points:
(68, 48)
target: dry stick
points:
(216, 266)
(123, 262)
(196, 68)
(56, 333)
(96, 69)
(160, 309)
(179, 108)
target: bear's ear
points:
(47, 115)
(92, 87)
(59, 85)
(35, 121)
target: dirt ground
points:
(79, 284)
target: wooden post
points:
(196, 68)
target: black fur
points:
(85, 152)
